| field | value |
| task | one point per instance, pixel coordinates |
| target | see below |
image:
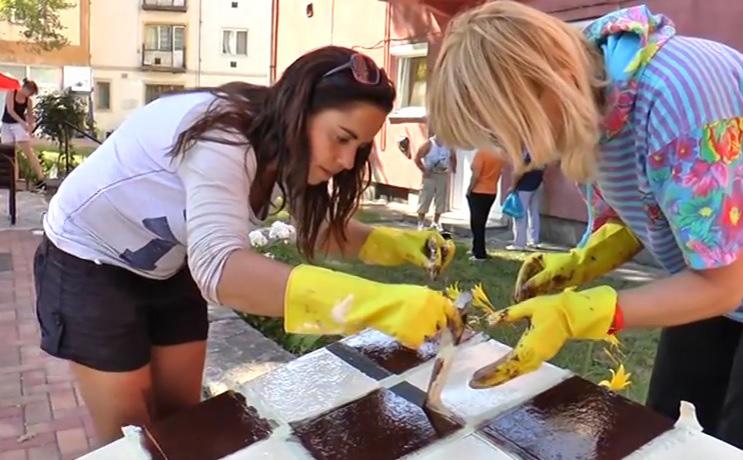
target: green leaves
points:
(41, 26)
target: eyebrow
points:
(350, 133)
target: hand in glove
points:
(321, 301)
(609, 247)
(554, 319)
(388, 246)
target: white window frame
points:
(233, 41)
(15, 19)
(403, 55)
(173, 28)
(110, 96)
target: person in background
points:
(486, 171)
(18, 123)
(526, 228)
(435, 161)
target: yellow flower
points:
(453, 291)
(619, 379)
(480, 299)
(613, 340)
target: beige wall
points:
(118, 29)
(251, 15)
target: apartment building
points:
(143, 48)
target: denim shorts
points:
(108, 318)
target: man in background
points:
(436, 162)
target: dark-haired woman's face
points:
(27, 91)
(336, 135)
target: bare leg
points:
(176, 375)
(115, 399)
(33, 160)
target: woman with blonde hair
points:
(653, 121)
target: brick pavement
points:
(42, 416)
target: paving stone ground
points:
(42, 415)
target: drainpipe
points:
(332, 21)
(201, 27)
(274, 41)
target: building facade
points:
(68, 67)
(404, 36)
(143, 48)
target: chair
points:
(7, 177)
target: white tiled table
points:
(321, 381)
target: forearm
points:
(15, 116)
(679, 299)
(253, 283)
(356, 235)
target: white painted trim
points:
(410, 50)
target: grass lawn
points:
(497, 276)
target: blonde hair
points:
(495, 63)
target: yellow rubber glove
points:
(554, 320)
(321, 301)
(608, 247)
(387, 246)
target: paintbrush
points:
(449, 338)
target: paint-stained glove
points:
(608, 247)
(321, 301)
(388, 246)
(554, 319)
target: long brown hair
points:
(273, 120)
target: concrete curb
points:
(237, 353)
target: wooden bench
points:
(7, 177)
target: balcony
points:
(164, 5)
(164, 61)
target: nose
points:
(347, 158)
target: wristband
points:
(618, 322)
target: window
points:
(235, 42)
(102, 95)
(16, 71)
(152, 92)
(412, 77)
(164, 38)
(17, 16)
(165, 4)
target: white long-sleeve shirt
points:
(131, 204)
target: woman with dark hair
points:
(18, 124)
(154, 225)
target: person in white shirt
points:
(154, 225)
(435, 162)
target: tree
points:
(59, 113)
(39, 19)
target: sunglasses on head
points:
(363, 69)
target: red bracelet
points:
(618, 323)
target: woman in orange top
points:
(486, 171)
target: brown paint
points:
(390, 354)
(379, 426)
(578, 420)
(211, 430)
(22, 53)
